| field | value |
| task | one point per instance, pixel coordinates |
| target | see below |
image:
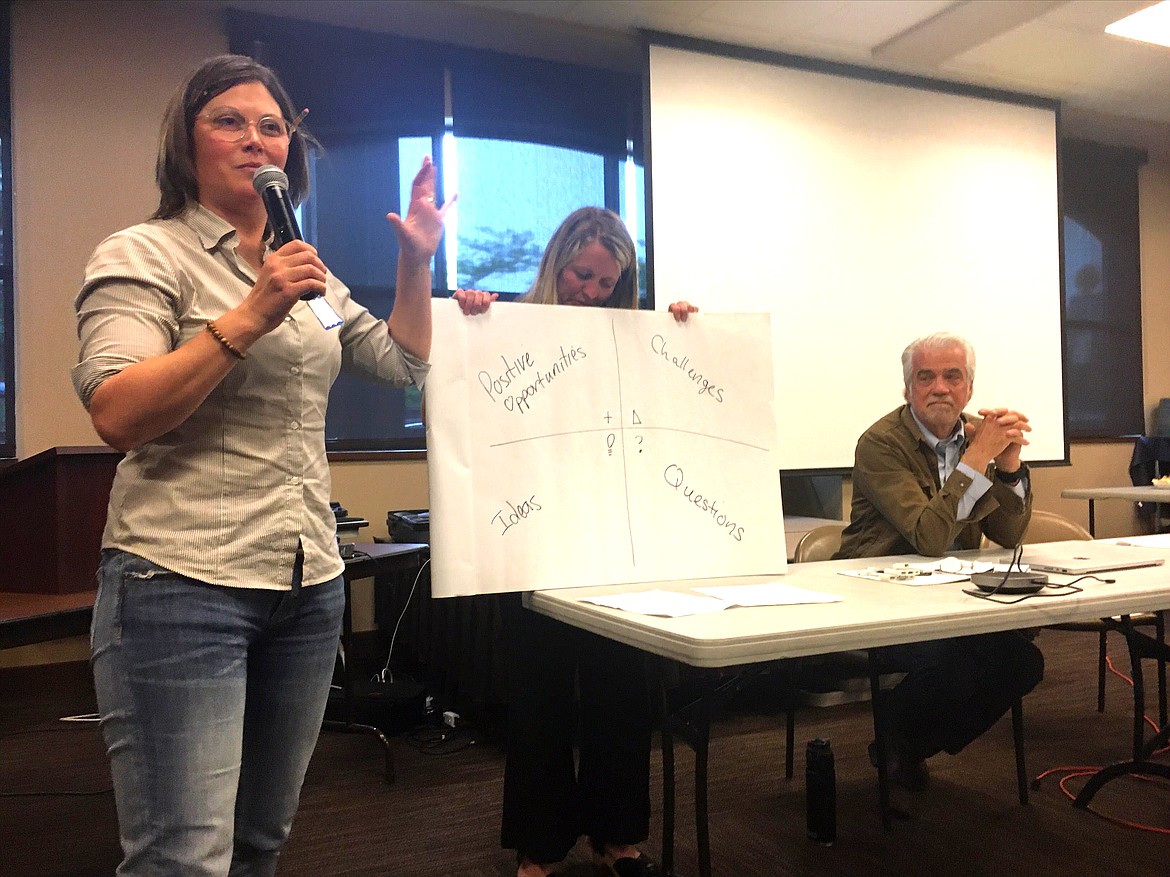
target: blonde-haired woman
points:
(567, 684)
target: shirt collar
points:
(212, 230)
(956, 436)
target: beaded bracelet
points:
(227, 345)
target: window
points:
(1102, 290)
(512, 197)
(524, 143)
(530, 141)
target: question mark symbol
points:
(639, 442)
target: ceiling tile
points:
(1064, 53)
(628, 15)
(870, 24)
(1093, 15)
(780, 18)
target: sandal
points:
(521, 859)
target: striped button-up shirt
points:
(226, 496)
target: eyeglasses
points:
(230, 126)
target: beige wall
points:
(1154, 193)
(89, 85)
(90, 82)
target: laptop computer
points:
(1076, 558)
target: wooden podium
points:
(54, 511)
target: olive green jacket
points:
(900, 508)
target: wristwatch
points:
(1011, 477)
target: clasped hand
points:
(999, 436)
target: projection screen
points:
(863, 213)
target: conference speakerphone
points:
(1009, 583)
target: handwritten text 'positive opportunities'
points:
(528, 379)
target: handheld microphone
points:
(271, 184)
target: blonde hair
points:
(581, 228)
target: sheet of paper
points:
(670, 604)
(674, 604)
(955, 566)
(904, 576)
(1154, 540)
(571, 447)
(767, 594)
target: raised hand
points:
(419, 234)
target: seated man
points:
(928, 479)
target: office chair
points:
(819, 543)
(1051, 527)
(1140, 646)
(1046, 527)
(1150, 460)
(822, 543)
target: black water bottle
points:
(821, 792)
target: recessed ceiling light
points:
(1150, 25)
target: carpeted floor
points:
(440, 818)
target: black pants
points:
(549, 804)
(955, 689)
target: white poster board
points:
(572, 446)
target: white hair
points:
(936, 341)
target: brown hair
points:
(175, 169)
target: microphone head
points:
(269, 175)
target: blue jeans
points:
(211, 701)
